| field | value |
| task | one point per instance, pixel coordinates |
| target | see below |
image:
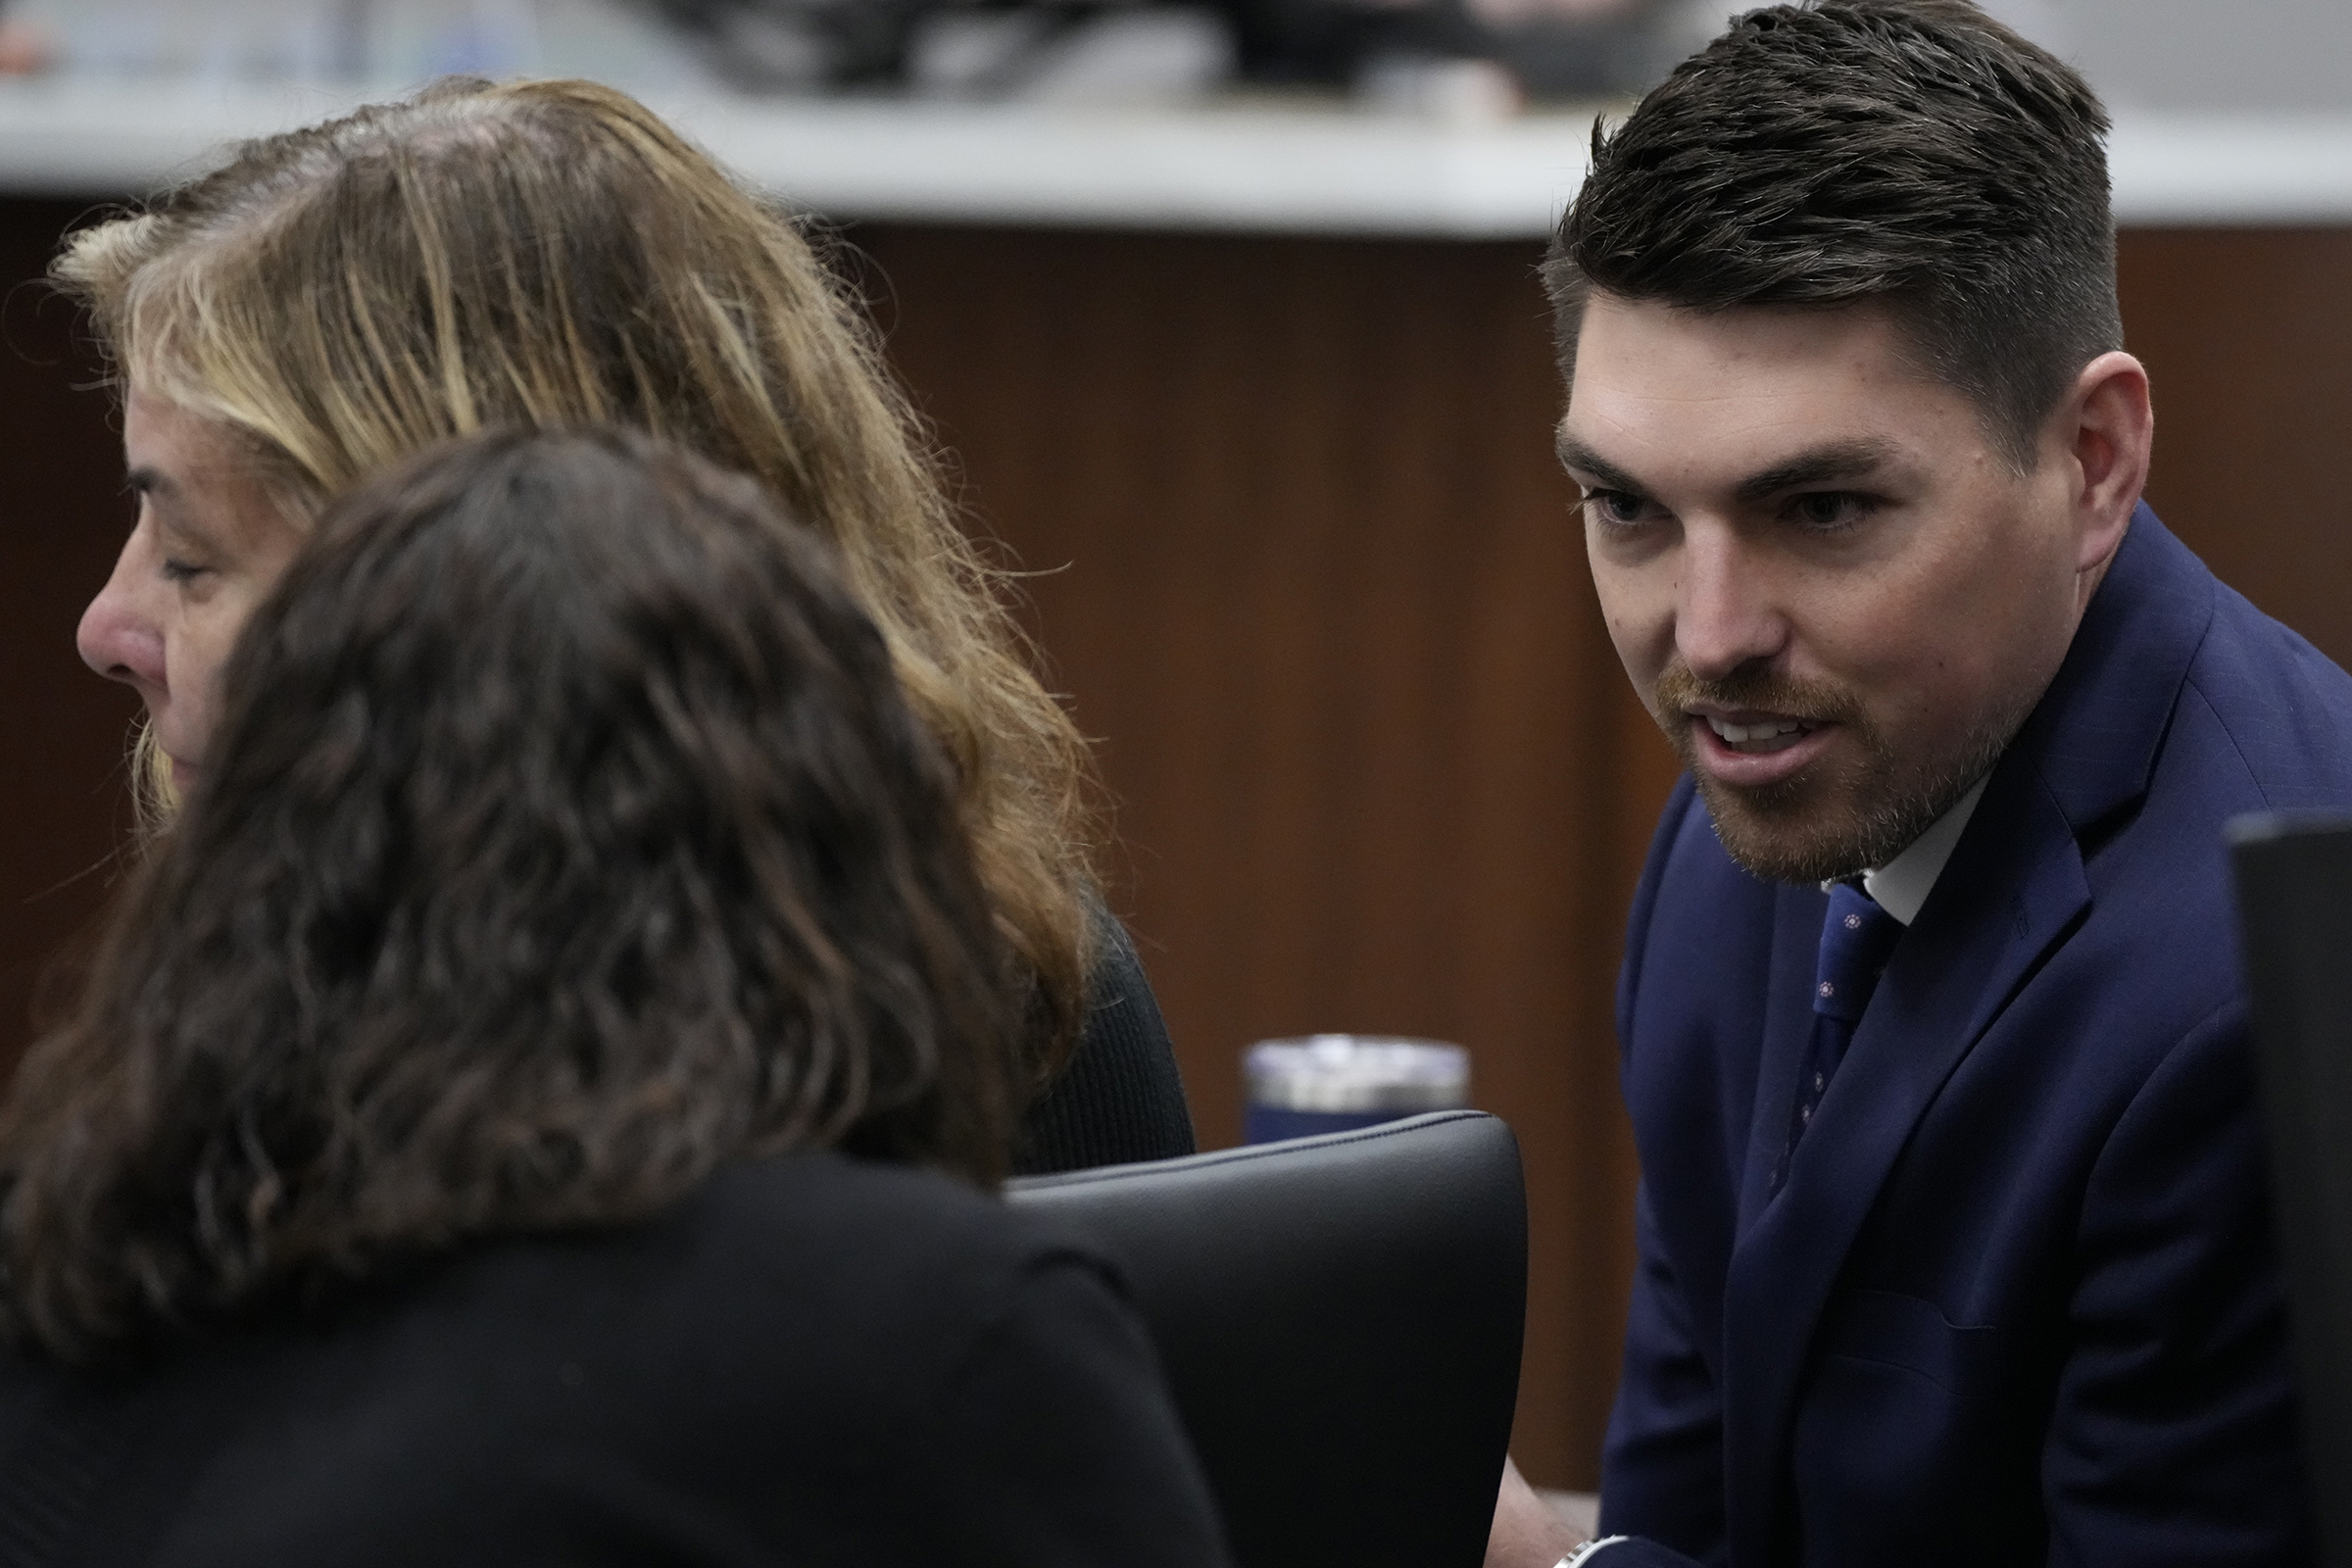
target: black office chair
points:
(1340, 1319)
(2294, 888)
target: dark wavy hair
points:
(565, 838)
(1915, 153)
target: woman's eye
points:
(182, 571)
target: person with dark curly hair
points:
(539, 1103)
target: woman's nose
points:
(119, 637)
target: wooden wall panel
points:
(1303, 539)
(1307, 572)
(2248, 342)
(64, 809)
(1307, 567)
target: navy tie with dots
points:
(1857, 938)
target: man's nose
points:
(1728, 615)
(119, 637)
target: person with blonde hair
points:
(546, 255)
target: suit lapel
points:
(1950, 976)
(2014, 888)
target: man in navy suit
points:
(1954, 1243)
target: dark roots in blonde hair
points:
(569, 838)
(551, 254)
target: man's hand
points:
(1527, 1532)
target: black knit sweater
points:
(1118, 1098)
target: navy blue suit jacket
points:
(2016, 1300)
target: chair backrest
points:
(1340, 1318)
(2294, 894)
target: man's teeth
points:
(1769, 729)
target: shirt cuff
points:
(1586, 1552)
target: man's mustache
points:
(1677, 690)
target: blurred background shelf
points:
(1255, 164)
(1251, 167)
(2225, 169)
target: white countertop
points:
(1250, 167)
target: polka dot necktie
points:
(1857, 938)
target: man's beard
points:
(1837, 817)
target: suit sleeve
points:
(2174, 1439)
(1662, 1464)
(1056, 1444)
(1634, 1552)
(1662, 1461)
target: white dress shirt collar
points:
(1901, 886)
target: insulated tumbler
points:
(1331, 1083)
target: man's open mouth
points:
(1766, 734)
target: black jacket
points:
(815, 1360)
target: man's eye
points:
(1828, 510)
(1614, 507)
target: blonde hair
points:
(551, 254)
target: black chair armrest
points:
(1340, 1319)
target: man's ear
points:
(2106, 427)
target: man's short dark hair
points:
(1910, 152)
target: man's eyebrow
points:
(1579, 458)
(1826, 464)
